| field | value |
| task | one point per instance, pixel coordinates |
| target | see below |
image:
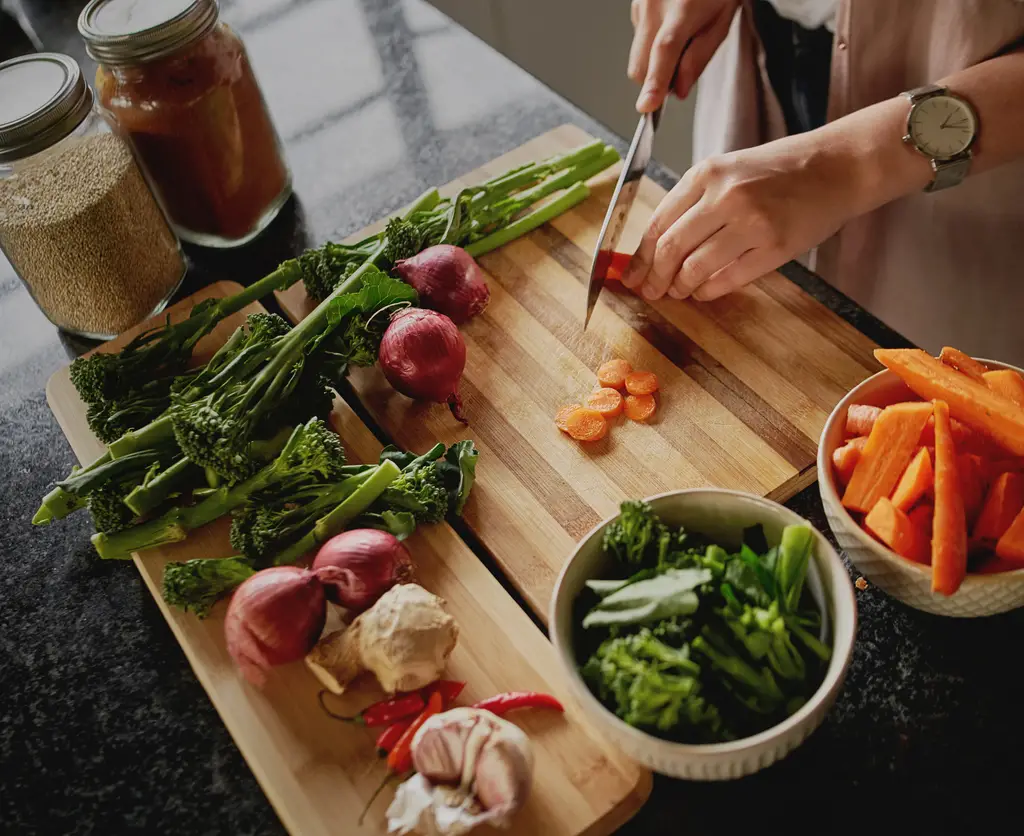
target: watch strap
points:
(949, 172)
(926, 92)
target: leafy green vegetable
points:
(663, 596)
(791, 568)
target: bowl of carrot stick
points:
(921, 473)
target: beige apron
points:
(943, 268)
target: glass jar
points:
(178, 82)
(78, 220)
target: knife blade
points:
(633, 167)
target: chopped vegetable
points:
(1011, 545)
(501, 704)
(890, 447)
(922, 516)
(655, 599)
(969, 401)
(860, 418)
(972, 485)
(613, 373)
(844, 460)
(641, 383)
(894, 528)
(562, 416)
(956, 359)
(586, 425)
(606, 401)
(949, 526)
(612, 265)
(1002, 504)
(640, 407)
(1008, 383)
(915, 482)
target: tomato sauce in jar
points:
(178, 83)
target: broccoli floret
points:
(420, 491)
(196, 585)
(109, 513)
(403, 240)
(634, 536)
(326, 267)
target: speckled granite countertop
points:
(104, 728)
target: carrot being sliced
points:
(1003, 502)
(641, 383)
(972, 486)
(1011, 545)
(613, 373)
(894, 528)
(860, 418)
(586, 425)
(969, 401)
(915, 482)
(640, 407)
(889, 449)
(562, 416)
(1008, 383)
(949, 526)
(844, 460)
(606, 401)
(963, 363)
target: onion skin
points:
(422, 355)
(356, 567)
(275, 617)
(447, 280)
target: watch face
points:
(942, 126)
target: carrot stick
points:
(1011, 544)
(969, 401)
(1006, 382)
(915, 481)
(586, 425)
(1002, 504)
(562, 416)
(844, 460)
(921, 516)
(860, 418)
(963, 363)
(640, 407)
(894, 528)
(641, 383)
(890, 447)
(949, 527)
(972, 488)
(606, 401)
(613, 373)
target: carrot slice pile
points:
(640, 407)
(894, 528)
(1003, 503)
(949, 526)
(613, 373)
(606, 401)
(586, 425)
(562, 416)
(641, 383)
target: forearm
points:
(870, 139)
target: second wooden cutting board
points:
(746, 385)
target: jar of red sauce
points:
(178, 84)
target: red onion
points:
(357, 567)
(423, 355)
(274, 617)
(448, 280)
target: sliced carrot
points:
(606, 401)
(860, 418)
(844, 460)
(963, 363)
(994, 565)
(1003, 502)
(949, 526)
(993, 468)
(586, 425)
(922, 515)
(894, 528)
(972, 486)
(860, 442)
(1006, 382)
(915, 482)
(641, 383)
(640, 407)
(890, 447)
(613, 373)
(1011, 545)
(969, 401)
(562, 416)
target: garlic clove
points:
(503, 774)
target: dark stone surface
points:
(104, 728)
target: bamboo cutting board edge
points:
(617, 786)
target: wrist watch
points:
(942, 126)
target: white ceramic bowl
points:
(903, 579)
(722, 515)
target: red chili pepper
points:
(503, 703)
(449, 688)
(400, 758)
(388, 738)
(382, 713)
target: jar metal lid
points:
(43, 98)
(122, 32)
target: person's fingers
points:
(646, 16)
(700, 50)
(665, 50)
(707, 259)
(695, 226)
(747, 268)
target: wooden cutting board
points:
(317, 772)
(747, 383)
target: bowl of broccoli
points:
(705, 632)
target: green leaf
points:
(791, 567)
(664, 596)
(461, 458)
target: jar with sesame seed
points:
(78, 220)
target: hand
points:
(663, 29)
(735, 217)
